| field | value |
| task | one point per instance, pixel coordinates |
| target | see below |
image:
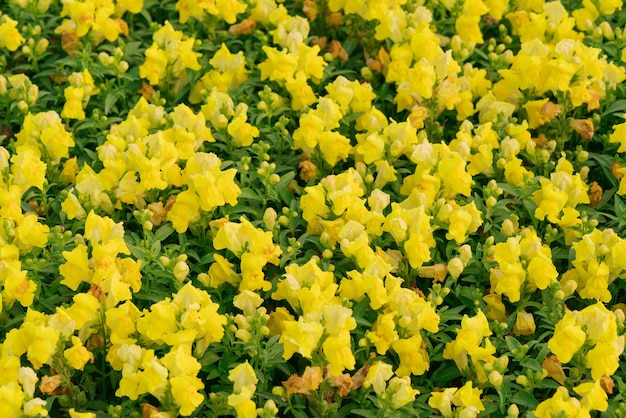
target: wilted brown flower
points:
(308, 170)
(374, 65)
(309, 8)
(607, 384)
(343, 383)
(94, 341)
(49, 384)
(312, 376)
(541, 141)
(148, 411)
(123, 26)
(335, 19)
(97, 292)
(159, 213)
(69, 43)
(584, 127)
(552, 365)
(595, 194)
(594, 103)
(322, 41)
(146, 90)
(310, 381)
(616, 170)
(549, 110)
(245, 27)
(438, 272)
(359, 376)
(337, 51)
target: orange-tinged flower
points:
(552, 365)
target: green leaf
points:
(138, 252)
(163, 232)
(619, 207)
(512, 343)
(367, 413)
(617, 106)
(248, 193)
(525, 399)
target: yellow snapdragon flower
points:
(10, 37)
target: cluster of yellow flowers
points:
(456, 184)
(99, 19)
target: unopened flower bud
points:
(495, 378)
(269, 218)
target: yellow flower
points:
(155, 66)
(121, 321)
(185, 392)
(468, 397)
(442, 401)
(77, 355)
(401, 391)
(73, 107)
(10, 37)
(619, 136)
(72, 207)
(279, 65)
(467, 27)
(604, 357)
(593, 396)
(550, 201)
(44, 341)
(301, 337)
(417, 251)
(540, 112)
(596, 281)
(541, 272)
(413, 356)
(159, 322)
(338, 352)
(18, 287)
(560, 403)
(243, 376)
(383, 332)
(567, 339)
(242, 132)
(28, 170)
(455, 179)
(192, 8)
(243, 403)
(76, 269)
(29, 233)
(229, 9)
(377, 376)
(75, 414)
(334, 146)
(302, 94)
(524, 324)
(497, 310)
(184, 211)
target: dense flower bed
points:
(312, 208)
